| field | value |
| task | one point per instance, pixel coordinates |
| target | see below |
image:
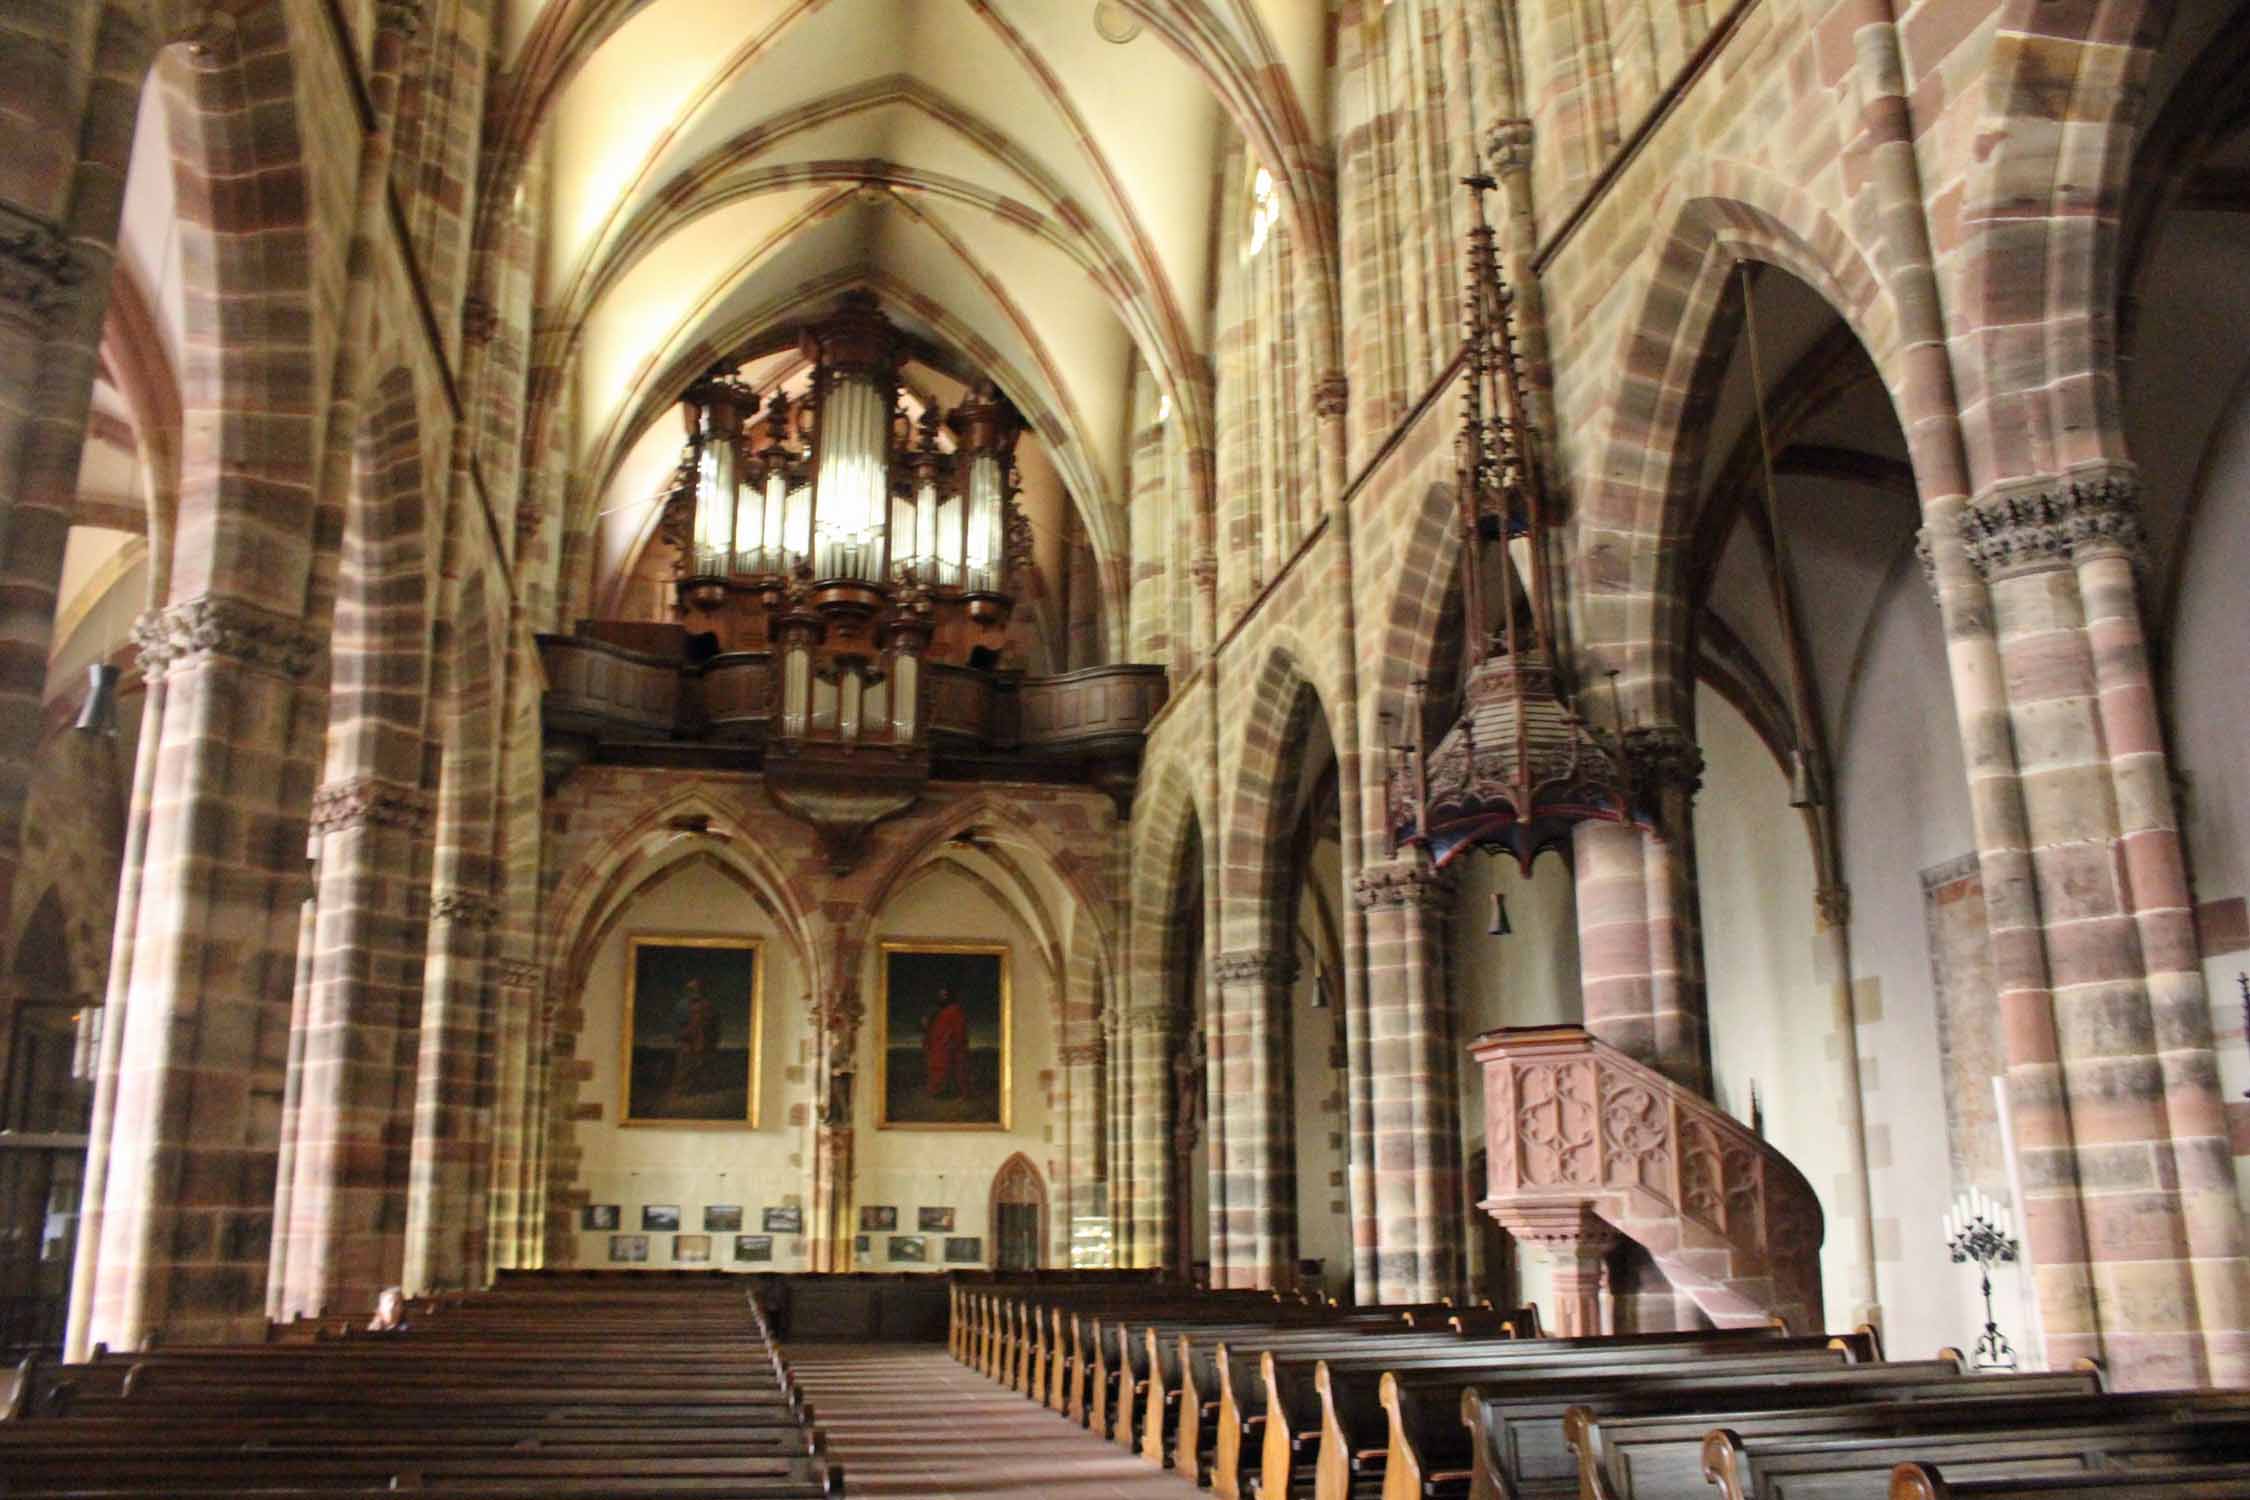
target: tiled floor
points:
(904, 1419)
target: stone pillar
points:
(512, 1237)
(353, 1060)
(828, 1223)
(1148, 1189)
(1412, 1054)
(448, 1197)
(1640, 939)
(1082, 1087)
(54, 293)
(1254, 1240)
(178, 1242)
(2113, 1079)
(1576, 1245)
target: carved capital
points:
(1559, 1228)
(1082, 1055)
(1664, 759)
(1403, 885)
(400, 18)
(1146, 1020)
(2055, 521)
(1204, 569)
(1925, 553)
(38, 268)
(1331, 395)
(519, 973)
(369, 802)
(1255, 966)
(203, 629)
(480, 320)
(467, 908)
(1507, 147)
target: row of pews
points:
(1259, 1395)
(610, 1385)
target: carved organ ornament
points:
(858, 531)
(1518, 768)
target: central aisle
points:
(904, 1419)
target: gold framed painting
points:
(944, 1035)
(694, 1014)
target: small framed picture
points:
(960, 1248)
(661, 1218)
(863, 1244)
(783, 1221)
(878, 1218)
(691, 1249)
(628, 1249)
(934, 1220)
(722, 1218)
(753, 1247)
(601, 1217)
(909, 1247)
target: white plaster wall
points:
(1527, 978)
(2209, 694)
(1773, 1023)
(1903, 801)
(912, 1169)
(632, 1166)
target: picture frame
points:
(628, 1249)
(878, 1218)
(783, 1221)
(660, 1218)
(964, 1249)
(691, 1249)
(693, 1022)
(601, 1218)
(944, 1036)
(863, 1244)
(909, 1249)
(934, 1220)
(722, 1218)
(753, 1247)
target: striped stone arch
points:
(1636, 515)
(2040, 236)
(1257, 894)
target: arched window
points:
(1265, 211)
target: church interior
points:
(1565, 655)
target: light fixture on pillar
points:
(1801, 790)
(1518, 768)
(98, 714)
(1499, 926)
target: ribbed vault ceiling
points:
(1023, 192)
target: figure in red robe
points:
(945, 1049)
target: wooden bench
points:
(1823, 1467)
(1922, 1481)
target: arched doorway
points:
(1019, 1215)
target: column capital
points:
(2052, 521)
(371, 801)
(1664, 758)
(1403, 884)
(480, 320)
(1082, 1055)
(1331, 395)
(39, 267)
(1507, 147)
(1146, 1020)
(464, 908)
(519, 973)
(402, 18)
(1255, 966)
(207, 628)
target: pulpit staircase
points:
(1585, 1144)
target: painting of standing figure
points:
(692, 1018)
(943, 1033)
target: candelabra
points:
(1981, 1230)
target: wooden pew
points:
(1921, 1481)
(1515, 1435)
(1834, 1468)
(1297, 1412)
